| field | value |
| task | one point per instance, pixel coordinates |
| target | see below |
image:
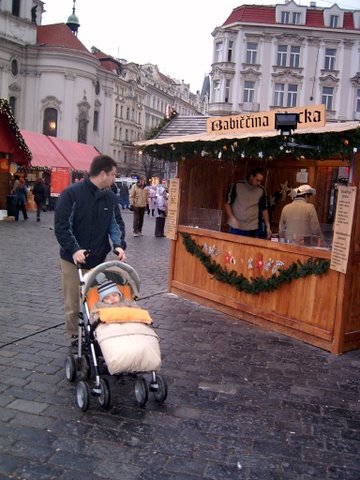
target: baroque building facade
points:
(56, 86)
(287, 55)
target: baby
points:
(109, 293)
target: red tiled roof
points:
(252, 14)
(58, 35)
(266, 15)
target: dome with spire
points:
(73, 21)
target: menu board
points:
(342, 228)
(173, 208)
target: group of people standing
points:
(247, 208)
(40, 192)
(152, 199)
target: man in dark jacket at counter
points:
(86, 215)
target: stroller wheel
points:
(85, 369)
(70, 368)
(83, 396)
(160, 393)
(141, 391)
(105, 396)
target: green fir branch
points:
(259, 284)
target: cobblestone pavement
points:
(243, 403)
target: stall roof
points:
(79, 155)
(163, 138)
(44, 153)
(11, 139)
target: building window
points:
(126, 135)
(279, 94)
(227, 91)
(292, 95)
(296, 18)
(50, 122)
(128, 113)
(281, 55)
(12, 103)
(97, 88)
(285, 17)
(121, 111)
(249, 92)
(328, 97)
(358, 100)
(330, 57)
(96, 121)
(14, 67)
(251, 51)
(217, 91)
(15, 10)
(334, 21)
(230, 51)
(294, 57)
(218, 51)
(117, 110)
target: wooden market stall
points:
(14, 152)
(303, 291)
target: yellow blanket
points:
(124, 314)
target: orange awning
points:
(45, 154)
(79, 155)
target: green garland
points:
(260, 284)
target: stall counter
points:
(308, 308)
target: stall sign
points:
(342, 228)
(310, 116)
(173, 208)
(60, 178)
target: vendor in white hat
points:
(299, 220)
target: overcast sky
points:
(175, 35)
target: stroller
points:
(121, 342)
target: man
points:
(86, 215)
(299, 221)
(246, 204)
(138, 202)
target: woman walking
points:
(20, 200)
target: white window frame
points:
(216, 90)
(334, 21)
(294, 56)
(296, 17)
(330, 58)
(249, 91)
(285, 17)
(227, 91)
(230, 51)
(292, 92)
(279, 93)
(251, 53)
(281, 58)
(218, 51)
(327, 97)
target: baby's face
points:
(112, 298)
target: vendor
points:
(299, 221)
(247, 205)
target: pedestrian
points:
(39, 197)
(246, 202)
(20, 197)
(85, 220)
(47, 195)
(299, 222)
(161, 212)
(138, 202)
(152, 200)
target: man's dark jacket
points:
(84, 216)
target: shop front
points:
(299, 288)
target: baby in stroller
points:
(115, 331)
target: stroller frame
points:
(83, 364)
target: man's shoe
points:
(136, 234)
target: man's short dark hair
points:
(101, 163)
(255, 171)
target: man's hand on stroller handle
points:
(119, 252)
(80, 256)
